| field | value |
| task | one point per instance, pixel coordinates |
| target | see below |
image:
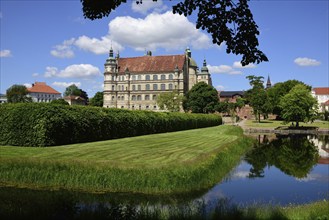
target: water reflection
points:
(295, 155)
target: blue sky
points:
(50, 41)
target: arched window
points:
(139, 97)
(154, 97)
(163, 77)
(155, 86)
(139, 77)
(171, 76)
(133, 77)
(170, 86)
(139, 87)
(113, 98)
(113, 88)
(122, 98)
(133, 98)
(147, 97)
(147, 87)
(163, 86)
(155, 77)
(147, 77)
(134, 87)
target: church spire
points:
(268, 84)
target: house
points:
(231, 96)
(41, 92)
(322, 96)
(3, 98)
(136, 82)
(75, 100)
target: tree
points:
(276, 92)
(170, 101)
(202, 98)
(97, 100)
(18, 93)
(74, 90)
(59, 102)
(298, 105)
(257, 97)
(224, 20)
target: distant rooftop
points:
(321, 90)
(230, 93)
(42, 87)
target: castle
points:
(136, 82)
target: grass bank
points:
(155, 164)
(275, 123)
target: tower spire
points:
(268, 83)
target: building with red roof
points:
(41, 92)
(322, 96)
(135, 82)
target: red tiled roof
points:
(321, 91)
(326, 103)
(151, 63)
(42, 87)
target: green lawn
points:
(160, 163)
(275, 124)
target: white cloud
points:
(223, 69)
(304, 61)
(35, 74)
(147, 5)
(220, 88)
(97, 46)
(5, 53)
(66, 84)
(64, 50)
(74, 71)
(168, 30)
(27, 85)
(237, 64)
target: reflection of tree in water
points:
(294, 155)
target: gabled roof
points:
(74, 97)
(42, 87)
(151, 63)
(321, 91)
(230, 93)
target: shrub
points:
(41, 124)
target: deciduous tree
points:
(74, 90)
(298, 105)
(97, 100)
(18, 93)
(202, 98)
(225, 20)
(170, 101)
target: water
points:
(279, 170)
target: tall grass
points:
(155, 164)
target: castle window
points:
(170, 86)
(147, 107)
(122, 98)
(113, 98)
(147, 77)
(113, 88)
(134, 87)
(155, 107)
(139, 77)
(154, 97)
(133, 98)
(155, 77)
(122, 106)
(155, 86)
(139, 97)
(163, 86)
(139, 87)
(113, 78)
(133, 77)
(147, 97)
(171, 76)
(147, 87)
(163, 77)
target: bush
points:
(41, 124)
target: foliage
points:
(41, 124)
(170, 101)
(18, 93)
(202, 98)
(298, 105)
(59, 102)
(97, 100)
(224, 20)
(75, 91)
(276, 92)
(257, 96)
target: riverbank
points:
(175, 162)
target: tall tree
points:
(276, 92)
(298, 105)
(256, 96)
(202, 98)
(225, 20)
(18, 93)
(97, 100)
(170, 101)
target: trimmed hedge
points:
(42, 124)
